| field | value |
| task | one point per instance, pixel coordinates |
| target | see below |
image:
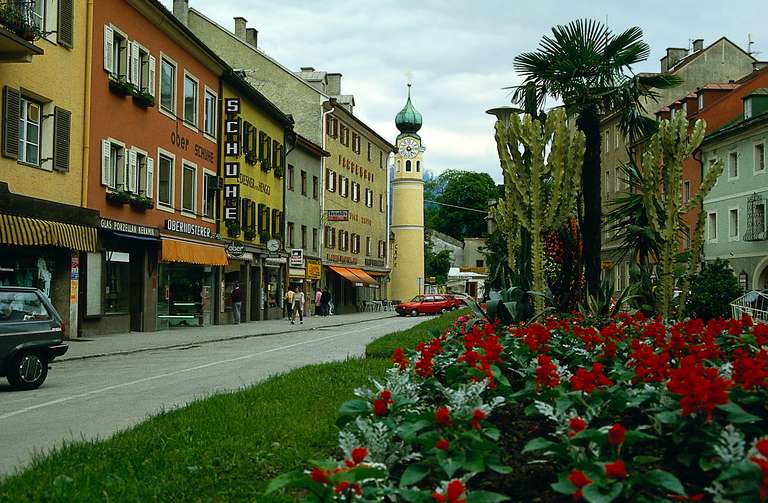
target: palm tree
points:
(588, 68)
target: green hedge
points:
(384, 346)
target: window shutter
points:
(109, 60)
(150, 176)
(151, 75)
(106, 172)
(130, 185)
(135, 63)
(64, 31)
(62, 125)
(11, 114)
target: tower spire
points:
(408, 120)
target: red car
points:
(427, 304)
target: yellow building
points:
(408, 207)
(252, 199)
(44, 65)
(355, 210)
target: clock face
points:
(273, 245)
(409, 148)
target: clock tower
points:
(408, 207)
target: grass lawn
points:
(383, 346)
(223, 448)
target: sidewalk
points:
(135, 342)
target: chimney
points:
(675, 54)
(252, 37)
(334, 84)
(664, 64)
(181, 11)
(240, 24)
(307, 69)
(698, 44)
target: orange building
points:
(153, 171)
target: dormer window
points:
(701, 101)
(748, 108)
(685, 108)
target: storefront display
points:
(184, 295)
(27, 270)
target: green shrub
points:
(712, 291)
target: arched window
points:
(407, 166)
(418, 166)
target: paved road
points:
(97, 397)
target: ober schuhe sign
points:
(185, 228)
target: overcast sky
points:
(459, 54)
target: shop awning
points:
(345, 273)
(192, 253)
(364, 276)
(24, 231)
(374, 274)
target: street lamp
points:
(504, 113)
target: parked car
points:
(461, 298)
(426, 304)
(31, 335)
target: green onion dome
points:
(408, 120)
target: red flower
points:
(359, 454)
(616, 470)
(578, 479)
(443, 444)
(443, 416)
(760, 331)
(319, 476)
(700, 388)
(763, 465)
(576, 424)
(453, 493)
(477, 416)
(588, 381)
(681, 497)
(399, 359)
(380, 407)
(341, 487)
(385, 394)
(616, 434)
(546, 373)
(762, 446)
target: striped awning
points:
(174, 250)
(24, 231)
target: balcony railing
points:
(23, 17)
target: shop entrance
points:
(184, 295)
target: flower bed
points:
(566, 409)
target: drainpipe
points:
(87, 104)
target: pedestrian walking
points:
(325, 300)
(289, 304)
(237, 302)
(318, 302)
(298, 306)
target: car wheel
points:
(414, 312)
(454, 308)
(27, 371)
(443, 311)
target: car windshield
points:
(21, 306)
(418, 298)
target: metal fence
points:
(754, 303)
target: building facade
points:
(253, 152)
(735, 208)
(408, 206)
(44, 232)
(356, 230)
(153, 168)
(721, 61)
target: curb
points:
(206, 341)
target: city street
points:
(95, 397)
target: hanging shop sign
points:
(337, 215)
(231, 210)
(296, 273)
(297, 257)
(187, 228)
(314, 269)
(114, 225)
(235, 250)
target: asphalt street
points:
(94, 398)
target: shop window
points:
(168, 85)
(209, 122)
(30, 131)
(117, 271)
(315, 237)
(165, 180)
(22, 306)
(18, 269)
(210, 183)
(190, 100)
(188, 188)
(303, 237)
(315, 188)
(290, 234)
(303, 183)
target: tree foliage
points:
(466, 189)
(712, 291)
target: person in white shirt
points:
(298, 306)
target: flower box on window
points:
(119, 197)
(278, 171)
(264, 237)
(251, 158)
(249, 234)
(233, 228)
(15, 16)
(143, 99)
(141, 203)
(120, 86)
